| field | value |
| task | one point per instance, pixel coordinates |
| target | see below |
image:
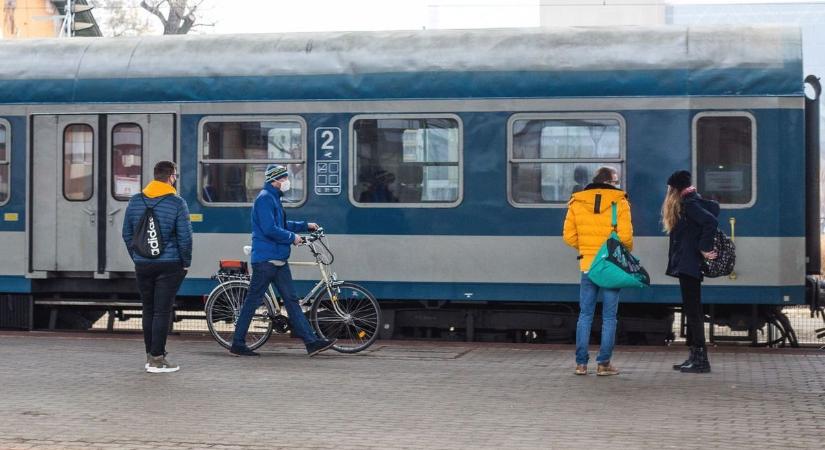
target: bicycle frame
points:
(328, 280)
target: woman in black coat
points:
(691, 223)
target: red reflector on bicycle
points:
(233, 266)
(230, 264)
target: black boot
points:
(687, 361)
(700, 363)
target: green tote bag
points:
(614, 267)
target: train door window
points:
(725, 157)
(552, 156)
(405, 160)
(5, 169)
(234, 153)
(127, 160)
(78, 162)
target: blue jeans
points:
(263, 274)
(587, 303)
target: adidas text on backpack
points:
(148, 241)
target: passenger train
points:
(440, 163)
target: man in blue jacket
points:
(272, 236)
(159, 278)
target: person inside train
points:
(690, 222)
(580, 177)
(586, 227)
(378, 190)
(272, 235)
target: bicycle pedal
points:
(280, 324)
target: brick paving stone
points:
(90, 391)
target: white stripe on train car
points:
(760, 261)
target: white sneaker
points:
(148, 357)
(159, 364)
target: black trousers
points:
(158, 285)
(692, 309)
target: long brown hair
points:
(671, 208)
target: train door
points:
(136, 142)
(64, 199)
(84, 169)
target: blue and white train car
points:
(439, 161)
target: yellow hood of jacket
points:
(158, 189)
(587, 224)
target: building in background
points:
(24, 19)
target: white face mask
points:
(285, 186)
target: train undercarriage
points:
(638, 324)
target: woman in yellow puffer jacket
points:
(586, 227)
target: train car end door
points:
(84, 170)
(65, 215)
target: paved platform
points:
(84, 391)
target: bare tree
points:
(177, 16)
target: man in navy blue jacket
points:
(158, 279)
(272, 236)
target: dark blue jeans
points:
(263, 274)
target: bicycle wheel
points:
(352, 316)
(223, 306)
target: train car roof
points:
(538, 62)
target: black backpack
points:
(725, 257)
(147, 240)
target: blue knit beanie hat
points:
(274, 172)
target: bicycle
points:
(337, 309)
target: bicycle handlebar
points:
(314, 236)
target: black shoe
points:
(687, 361)
(319, 346)
(699, 364)
(242, 351)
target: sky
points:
(278, 16)
(267, 16)
(353, 15)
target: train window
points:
(235, 153)
(4, 165)
(403, 160)
(127, 160)
(552, 156)
(78, 162)
(724, 157)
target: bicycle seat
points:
(247, 250)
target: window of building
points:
(78, 162)
(724, 157)
(127, 160)
(5, 166)
(552, 156)
(235, 152)
(405, 160)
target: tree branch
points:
(188, 23)
(154, 10)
